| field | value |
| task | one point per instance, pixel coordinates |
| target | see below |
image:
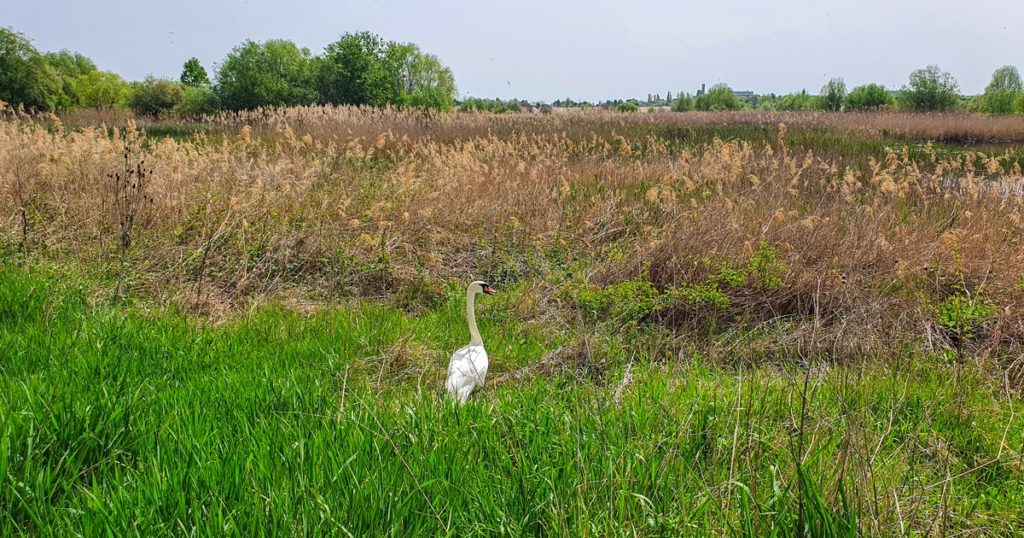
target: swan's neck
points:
(474, 333)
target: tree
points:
(422, 80)
(25, 76)
(1018, 104)
(193, 74)
(1002, 91)
(832, 95)
(931, 89)
(628, 106)
(155, 96)
(683, 103)
(798, 101)
(870, 96)
(272, 73)
(197, 101)
(69, 66)
(357, 70)
(99, 90)
(718, 97)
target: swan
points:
(468, 366)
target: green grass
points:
(140, 421)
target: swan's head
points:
(481, 287)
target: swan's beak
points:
(489, 290)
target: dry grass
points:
(329, 202)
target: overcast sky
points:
(545, 50)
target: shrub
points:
(155, 96)
(870, 96)
(627, 107)
(684, 103)
(963, 316)
(198, 101)
(719, 97)
(627, 302)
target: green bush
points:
(833, 94)
(963, 316)
(868, 97)
(766, 267)
(626, 107)
(1002, 92)
(684, 103)
(198, 101)
(155, 96)
(719, 97)
(26, 78)
(627, 302)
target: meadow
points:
(707, 323)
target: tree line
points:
(929, 89)
(358, 69)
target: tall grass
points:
(144, 422)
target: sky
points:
(545, 50)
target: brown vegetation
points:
(332, 202)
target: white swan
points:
(468, 366)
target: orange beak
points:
(489, 290)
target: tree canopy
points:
(718, 97)
(930, 90)
(833, 94)
(272, 73)
(867, 97)
(26, 78)
(1001, 93)
(193, 74)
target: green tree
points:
(1002, 91)
(931, 89)
(718, 97)
(867, 97)
(683, 103)
(1018, 104)
(798, 101)
(422, 80)
(272, 73)
(193, 74)
(359, 70)
(25, 76)
(69, 66)
(627, 106)
(155, 96)
(833, 94)
(198, 101)
(99, 90)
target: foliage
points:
(193, 74)
(684, 103)
(198, 101)
(100, 90)
(271, 73)
(155, 96)
(868, 97)
(797, 101)
(627, 106)
(497, 106)
(626, 302)
(356, 70)
(833, 94)
(930, 90)
(422, 80)
(718, 97)
(26, 78)
(69, 66)
(1001, 93)
(963, 316)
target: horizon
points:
(543, 53)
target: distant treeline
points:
(929, 90)
(358, 69)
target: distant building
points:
(743, 94)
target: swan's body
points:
(468, 367)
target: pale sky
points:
(545, 50)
